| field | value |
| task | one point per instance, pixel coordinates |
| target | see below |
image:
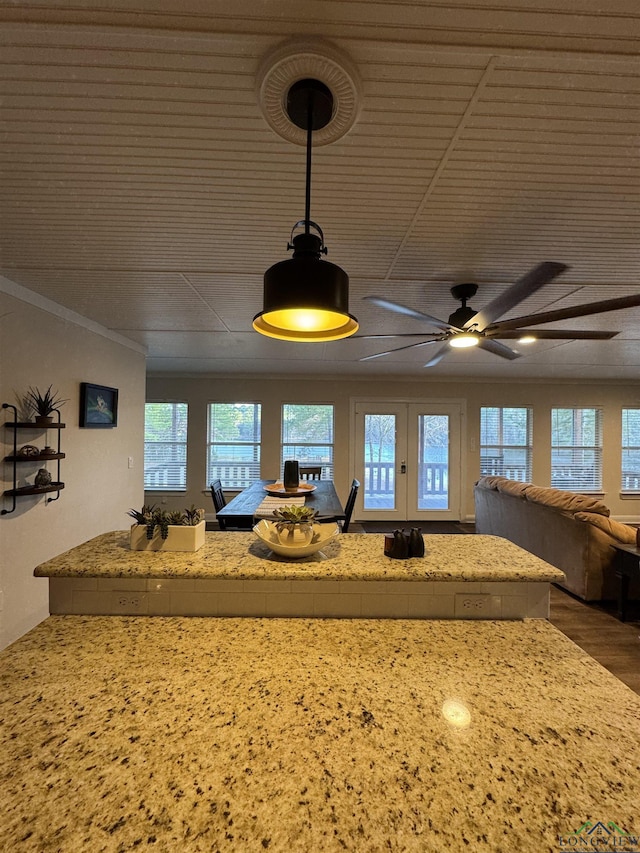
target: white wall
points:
(272, 393)
(39, 348)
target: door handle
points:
(403, 467)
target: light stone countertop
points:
(352, 556)
(184, 735)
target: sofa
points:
(572, 532)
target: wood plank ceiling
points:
(143, 189)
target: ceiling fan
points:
(466, 327)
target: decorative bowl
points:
(322, 534)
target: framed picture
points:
(98, 406)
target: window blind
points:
(506, 446)
(307, 435)
(630, 475)
(233, 444)
(576, 449)
(165, 447)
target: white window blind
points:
(233, 444)
(576, 449)
(307, 435)
(506, 442)
(165, 447)
(630, 481)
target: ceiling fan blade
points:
(438, 356)
(525, 286)
(552, 335)
(568, 313)
(398, 349)
(498, 349)
(398, 335)
(408, 312)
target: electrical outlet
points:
(473, 605)
(129, 603)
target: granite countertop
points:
(352, 556)
(196, 734)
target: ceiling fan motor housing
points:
(462, 315)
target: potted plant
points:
(156, 529)
(43, 404)
(295, 524)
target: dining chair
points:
(351, 501)
(312, 473)
(219, 501)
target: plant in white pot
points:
(156, 529)
(295, 524)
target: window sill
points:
(629, 496)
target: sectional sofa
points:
(573, 532)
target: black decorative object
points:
(402, 545)
(416, 542)
(98, 406)
(291, 479)
(43, 478)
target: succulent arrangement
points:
(151, 517)
(43, 403)
(288, 517)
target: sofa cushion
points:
(513, 487)
(567, 502)
(490, 482)
(620, 532)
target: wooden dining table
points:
(240, 511)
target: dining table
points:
(242, 511)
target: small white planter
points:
(180, 538)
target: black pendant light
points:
(305, 297)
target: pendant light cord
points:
(307, 199)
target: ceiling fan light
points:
(464, 340)
(527, 339)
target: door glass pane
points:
(433, 462)
(379, 461)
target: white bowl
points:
(322, 534)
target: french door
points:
(407, 460)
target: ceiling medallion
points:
(302, 59)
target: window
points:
(233, 444)
(307, 435)
(506, 442)
(165, 447)
(630, 450)
(576, 449)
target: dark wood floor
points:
(592, 626)
(596, 629)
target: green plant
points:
(43, 403)
(290, 516)
(193, 516)
(151, 517)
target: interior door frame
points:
(428, 402)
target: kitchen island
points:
(235, 574)
(178, 734)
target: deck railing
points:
(379, 478)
